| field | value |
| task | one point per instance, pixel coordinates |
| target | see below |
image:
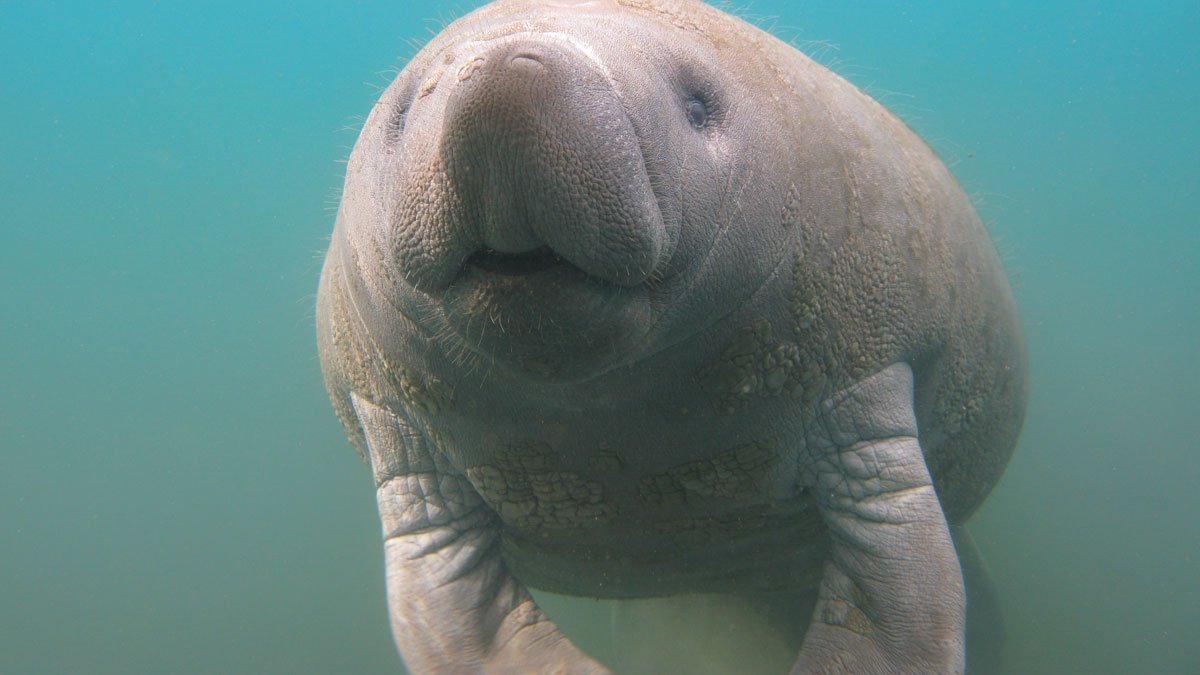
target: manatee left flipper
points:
(891, 599)
(454, 606)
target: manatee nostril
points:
(579, 3)
(469, 68)
(526, 60)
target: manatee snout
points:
(541, 167)
(523, 205)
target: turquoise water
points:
(176, 495)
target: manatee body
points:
(626, 299)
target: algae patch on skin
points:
(527, 487)
(753, 363)
(733, 473)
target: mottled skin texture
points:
(629, 298)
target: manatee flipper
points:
(985, 620)
(453, 604)
(891, 599)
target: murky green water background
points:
(176, 495)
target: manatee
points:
(630, 299)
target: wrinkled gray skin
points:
(628, 298)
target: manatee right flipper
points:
(891, 600)
(454, 606)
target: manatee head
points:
(560, 188)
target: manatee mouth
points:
(539, 313)
(514, 264)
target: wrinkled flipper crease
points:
(891, 599)
(454, 606)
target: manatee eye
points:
(697, 113)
